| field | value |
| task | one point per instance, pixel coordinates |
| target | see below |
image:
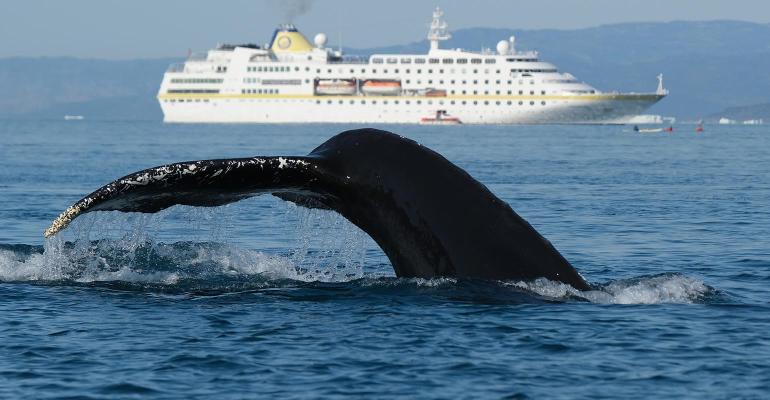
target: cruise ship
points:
(290, 80)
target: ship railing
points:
(198, 56)
(177, 67)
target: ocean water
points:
(264, 299)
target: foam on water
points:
(663, 288)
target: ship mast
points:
(438, 29)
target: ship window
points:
(395, 101)
(419, 61)
(441, 71)
(486, 82)
(475, 71)
(497, 102)
(392, 60)
(419, 71)
(497, 71)
(296, 68)
(452, 81)
(408, 70)
(475, 61)
(462, 61)
(448, 61)
(352, 101)
(318, 101)
(486, 92)
(406, 61)
(542, 92)
(376, 60)
(374, 101)
(430, 71)
(430, 102)
(464, 102)
(407, 81)
(464, 92)
(307, 69)
(340, 101)
(363, 101)
(509, 92)
(328, 102)
(352, 71)
(475, 102)
(464, 82)
(475, 92)
(396, 70)
(508, 102)
(419, 81)
(452, 102)
(363, 70)
(430, 81)
(374, 70)
(318, 70)
(384, 102)
(419, 101)
(451, 92)
(329, 71)
(385, 71)
(433, 60)
(408, 102)
(489, 61)
(521, 92)
(532, 103)
(475, 82)
(441, 82)
(531, 92)
(509, 82)
(542, 102)
(521, 102)
(497, 81)
(497, 92)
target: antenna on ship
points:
(661, 90)
(438, 29)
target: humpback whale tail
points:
(429, 216)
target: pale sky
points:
(119, 29)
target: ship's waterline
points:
(291, 81)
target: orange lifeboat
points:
(381, 87)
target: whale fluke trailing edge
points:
(430, 217)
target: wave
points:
(206, 268)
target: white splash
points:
(667, 288)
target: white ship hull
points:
(597, 109)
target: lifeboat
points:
(435, 93)
(440, 118)
(381, 87)
(335, 86)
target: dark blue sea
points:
(264, 299)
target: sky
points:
(124, 29)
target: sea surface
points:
(265, 299)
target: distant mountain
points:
(708, 66)
(743, 113)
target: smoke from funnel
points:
(295, 8)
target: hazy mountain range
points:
(711, 68)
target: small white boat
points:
(441, 118)
(74, 117)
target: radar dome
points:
(320, 40)
(503, 47)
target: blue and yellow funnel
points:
(287, 39)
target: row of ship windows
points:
(259, 91)
(430, 102)
(395, 71)
(384, 102)
(407, 60)
(196, 80)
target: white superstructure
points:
(292, 81)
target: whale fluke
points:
(430, 217)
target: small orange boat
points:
(441, 118)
